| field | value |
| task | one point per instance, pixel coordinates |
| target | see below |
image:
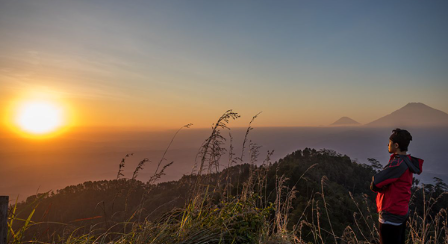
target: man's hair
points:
(402, 137)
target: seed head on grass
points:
(121, 165)
(139, 167)
(211, 149)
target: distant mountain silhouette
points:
(345, 121)
(413, 114)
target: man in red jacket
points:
(393, 185)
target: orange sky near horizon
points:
(160, 66)
(135, 114)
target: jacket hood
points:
(414, 164)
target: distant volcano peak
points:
(345, 121)
(416, 105)
(413, 114)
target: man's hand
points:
(376, 189)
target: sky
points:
(163, 64)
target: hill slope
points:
(239, 205)
(105, 203)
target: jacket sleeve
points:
(373, 186)
(390, 174)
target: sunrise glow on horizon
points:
(160, 65)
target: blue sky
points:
(168, 63)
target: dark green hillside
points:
(322, 192)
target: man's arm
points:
(389, 175)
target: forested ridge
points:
(326, 190)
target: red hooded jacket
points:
(393, 185)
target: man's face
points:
(392, 147)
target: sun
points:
(39, 117)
